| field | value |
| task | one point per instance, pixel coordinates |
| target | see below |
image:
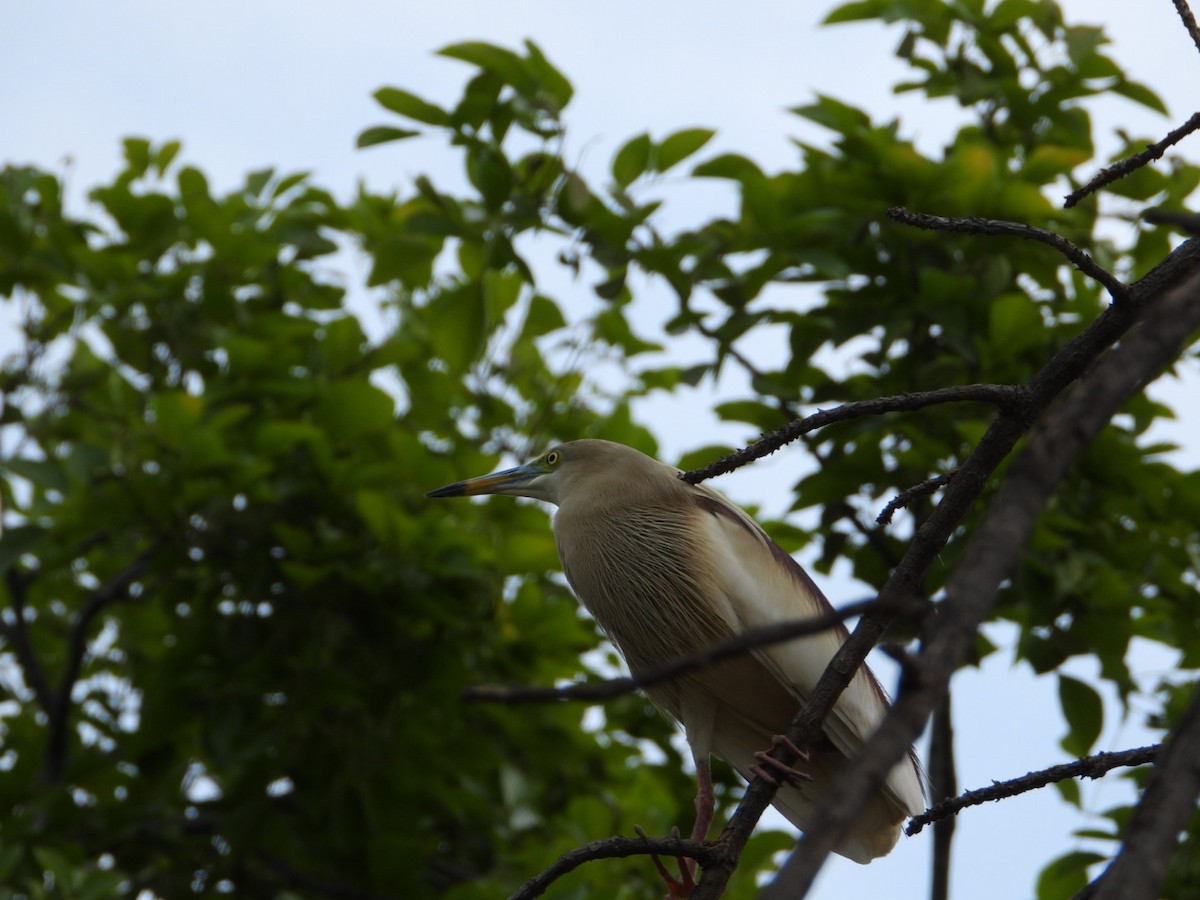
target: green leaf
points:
(677, 147)
(18, 540)
(552, 82)
(729, 165)
(1066, 876)
(543, 317)
(1139, 93)
(632, 160)
(411, 106)
(1015, 323)
(497, 60)
(1083, 709)
(382, 134)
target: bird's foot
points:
(776, 772)
(680, 888)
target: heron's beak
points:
(510, 481)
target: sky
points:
(289, 84)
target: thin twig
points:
(1161, 814)
(1189, 21)
(1090, 767)
(706, 656)
(976, 225)
(916, 492)
(1118, 170)
(1004, 396)
(616, 848)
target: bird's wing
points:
(763, 585)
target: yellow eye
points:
(553, 457)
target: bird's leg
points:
(705, 802)
(777, 772)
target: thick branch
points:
(615, 848)
(1119, 170)
(1005, 396)
(989, 558)
(975, 225)
(59, 714)
(681, 665)
(1090, 767)
(1170, 799)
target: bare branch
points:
(1184, 221)
(943, 782)
(616, 848)
(916, 492)
(1162, 813)
(1004, 396)
(975, 225)
(59, 713)
(689, 662)
(1119, 170)
(1090, 767)
(1189, 21)
(1168, 321)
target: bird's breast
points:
(644, 577)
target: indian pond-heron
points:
(668, 567)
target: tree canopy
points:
(236, 638)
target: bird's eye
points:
(553, 457)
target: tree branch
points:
(1004, 396)
(1090, 767)
(1184, 221)
(706, 656)
(615, 848)
(975, 225)
(1167, 323)
(17, 634)
(916, 492)
(1119, 170)
(59, 713)
(1189, 21)
(943, 782)
(1138, 870)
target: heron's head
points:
(581, 469)
(541, 479)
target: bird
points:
(667, 568)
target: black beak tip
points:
(450, 490)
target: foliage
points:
(213, 474)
